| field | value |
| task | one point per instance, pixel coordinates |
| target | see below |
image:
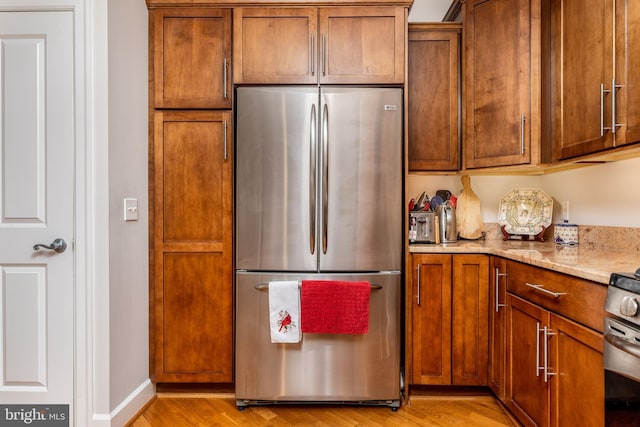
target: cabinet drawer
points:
(577, 299)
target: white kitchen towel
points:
(284, 312)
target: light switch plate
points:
(130, 209)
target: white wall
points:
(128, 241)
(606, 194)
(428, 10)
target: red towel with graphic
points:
(334, 307)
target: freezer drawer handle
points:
(263, 286)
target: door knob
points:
(58, 245)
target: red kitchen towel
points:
(334, 307)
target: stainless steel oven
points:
(622, 350)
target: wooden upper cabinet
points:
(502, 92)
(191, 56)
(325, 45)
(582, 42)
(274, 45)
(433, 92)
(596, 64)
(362, 45)
(628, 71)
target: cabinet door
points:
(528, 393)
(470, 321)
(362, 45)
(497, 326)
(498, 85)
(582, 46)
(191, 58)
(431, 319)
(192, 264)
(275, 45)
(577, 388)
(433, 94)
(627, 71)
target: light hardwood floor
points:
(178, 410)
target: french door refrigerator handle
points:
(312, 179)
(325, 176)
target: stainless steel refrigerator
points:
(318, 196)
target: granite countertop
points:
(595, 264)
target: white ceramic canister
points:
(565, 234)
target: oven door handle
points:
(623, 344)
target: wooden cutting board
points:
(468, 212)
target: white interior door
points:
(36, 206)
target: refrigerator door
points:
(276, 137)
(361, 179)
(322, 367)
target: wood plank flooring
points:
(177, 410)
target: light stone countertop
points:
(595, 264)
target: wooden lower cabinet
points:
(555, 373)
(497, 326)
(448, 332)
(192, 267)
(528, 393)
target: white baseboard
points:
(128, 408)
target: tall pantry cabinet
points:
(191, 195)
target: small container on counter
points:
(565, 233)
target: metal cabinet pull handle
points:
(225, 140)
(545, 291)
(418, 296)
(538, 367)
(58, 245)
(602, 92)
(614, 125)
(324, 54)
(312, 63)
(497, 285)
(224, 79)
(547, 372)
(522, 126)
